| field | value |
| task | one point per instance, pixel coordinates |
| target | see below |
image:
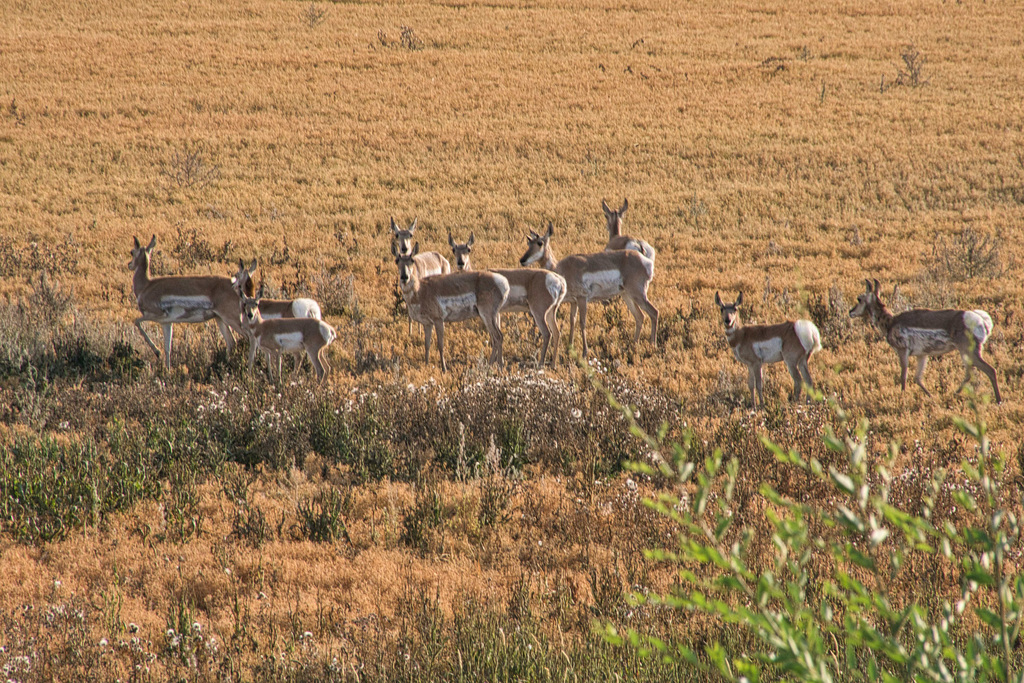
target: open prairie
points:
(401, 523)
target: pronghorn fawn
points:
(428, 263)
(758, 345)
(616, 240)
(434, 301)
(926, 333)
(181, 299)
(535, 291)
(271, 309)
(597, 277)
(287, 335)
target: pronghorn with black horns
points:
(616, 240)
(758, 345)
(287, 335)
(434, 301)
(532, 290)
(926, 333)
(272, 309)
(181, 299)
(428, 264)
(597, 277)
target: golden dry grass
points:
(765, 149)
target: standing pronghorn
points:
(534, 291)
(441, 299)
(272, 309)
(595, 277)
(428, 263)
(759, 345)
(616, 240)
(287, 335)
(923, 333)
(181, 299)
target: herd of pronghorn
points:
(434, 296)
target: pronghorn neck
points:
(141, 278)
(882, 317)
(614, 226)
(732, 332)
(547, 259)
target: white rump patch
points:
(290, 342)
(769, 350)
(602, 284)
(979, 324)
(458, 307)
(306, 308)
(807, 333)
(556, 286)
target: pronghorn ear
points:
(877, 287)
(868, 284)
(152, 244)
(718, 300)
(625, 205)
(252, 268)
(739, 300)
(137, 245)
(551, 229)
(604, 207)
(394, 226)
(259, 293)
(415, 248)
(470, 242)
(412, 228)
(241, 264)
(451, 242)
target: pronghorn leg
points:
(225, 331)
(138, 324)
(759, 381)
(168, 338)
(573, 306)
(497, 339)
(583, 326)
(652, 313)
(551, 319)
(280, 370)
(922, 362)
(794, 372)
(439, 326)
(989, 371)
(904, 356)
(545, 334)
(637, 316)
(253, 346)
(428, 333)
(316, 358)
(752, 385)
(806, 372)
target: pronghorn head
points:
(251, 310)
(614, 218)
(242, 281)
(730, 312)
(461, 251)
(868, 302)
(403, 238)
(140, 255)
(537, 245)
(406, 265)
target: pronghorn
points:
(924, 333)
(595, 277)
(758, 345)
(181, 299)
(441, 299)
(272, 309)
(287, 335)
(428, 263)
(535, 291)
(616, 240)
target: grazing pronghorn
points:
(616, 240)
(758, 345)
(287, 335)
(923, 332)
(452, 298)
(428, 263)
(535, 291)
(181, 299)
(595, 277)
(272, 309)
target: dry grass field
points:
(401, 524)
